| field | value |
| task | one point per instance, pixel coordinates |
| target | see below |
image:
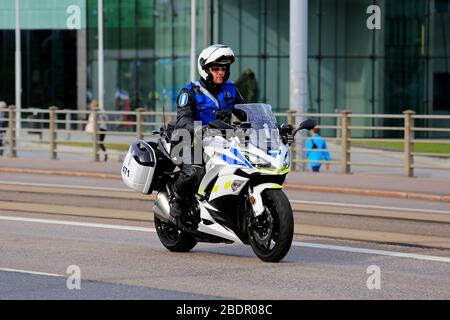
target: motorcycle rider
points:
(212, 97)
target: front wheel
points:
(172, 238)
(271, 233)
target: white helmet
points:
(217, 54)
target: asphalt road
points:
(123, 259)
(131, 264)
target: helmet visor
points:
(223, 61)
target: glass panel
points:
(346, 84)
(230, 23)
(182, 29)
(272, 87)
(313, 86)
(43, 14)
(440, 82)
(7, 61)
(283, 85)
(251, 30)
(344, 29)
(258, 32)
(379, 91)
(313, 28)
(277, 42)
(440, 29)
(251, 65)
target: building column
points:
(298, 63)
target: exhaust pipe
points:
(161, 207)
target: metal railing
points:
(346, 134)
(347, 143)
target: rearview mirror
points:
(308, 124)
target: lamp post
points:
(101, 79)
(18, 71)
(298, 61)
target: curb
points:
(289, 186)
(62, 173)
(371, 192)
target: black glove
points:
(224, 115)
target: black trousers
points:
(101, 137)
(189, 179)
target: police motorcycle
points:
(240, 197)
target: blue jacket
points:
(196, 103)
(317, 155)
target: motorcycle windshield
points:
(265, 134)
(259, 115)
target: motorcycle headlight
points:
(263, 164)
(259, 162)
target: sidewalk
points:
(431, 189)
(391, 161)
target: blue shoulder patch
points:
(183, 99)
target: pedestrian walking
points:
(317, 150)
(101, 125)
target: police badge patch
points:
(183, 99)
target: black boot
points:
(181, 214)
(177, 208)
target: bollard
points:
(345, 146)
(338, 125)
(12, 132)
(408, 143)
(53, 127)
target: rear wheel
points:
(271, 233)
(172, 238)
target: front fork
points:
(255, 198)
(256, 206)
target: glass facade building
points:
(403, 65)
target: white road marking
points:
(49, 185)
(294, 243)
(371, 251)
(363, 206)
(32, 272)
(78, 224)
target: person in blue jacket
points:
(317, 150)
(213, 97)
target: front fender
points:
(258, 206)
